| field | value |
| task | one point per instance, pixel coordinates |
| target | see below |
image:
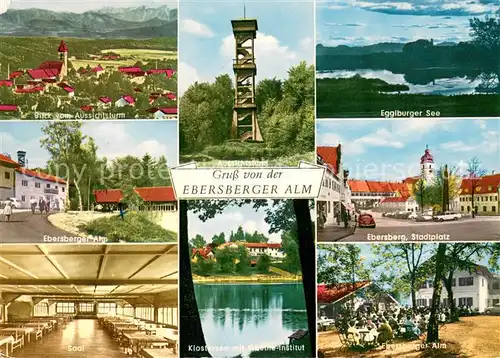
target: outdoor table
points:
(7, 342)
(137, 340)
(38, 327)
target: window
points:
(454, 282)
(24, 182)
(65, 307)
(106, 308)
(41, 310)
(167, 315)
(465, 301)
(485, 208)
(48, 185)
(128, 311)
(7, 175)
(461, 208)
(496, 285)
(23, 198)
(63, 189)
(86, 307)
(495, 301)
(466, 281)
(146, 313)
(37, 185)
(494, 208)
(421, 302)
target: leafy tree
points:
(63, 141)
(238, 236)
(203, 266)
(486, 32)
(475, 172)
(268, 89)
(227, 258)
(198, 242)
(433, 325)
(403, 262)
(338, 264)
(422, 193)
(263, 263)
(243, 264)
(290, 245)
(219, 239)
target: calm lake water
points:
(241, 317)
(442, 86)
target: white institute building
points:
(335, 192)
(30, 184)
(478, 289)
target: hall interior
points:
(88, 300)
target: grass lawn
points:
(137, 227)
(144, 53)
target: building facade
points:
(401, 203)
(7, 176)
(335, 192)
(37, 185)
(486, 195)
(478, 290)
(161, 198)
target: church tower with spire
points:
(427, 166)
(63, 57)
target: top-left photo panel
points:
(88, 60)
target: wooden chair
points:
(18, 340)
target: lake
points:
(440, 86)
(240, 317)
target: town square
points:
(401, 180)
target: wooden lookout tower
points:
(245, 125)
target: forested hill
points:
(140, 23)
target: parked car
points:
(425, 217)
(413, 215)
(493, 310)
(15, 203)
(447, 216)
(366, 220)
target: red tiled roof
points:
(411, 180)
(170, 95)
(130, 69)
(66, 87)
(40, 73)
(169, 110)
(51, 65)
(129, 99)
(170, 72)
(401, 188)
(7, 83)
(40, 175)
(203, 252)
(485, 185)
(329, 156)
(97, 69)
(108, 196)
(396, 199)
(16, 74)
(105, 99)
(8, 107)
(157, 194)
(87, 108)
(62, 47)
(5, 159)
(358, 186)
(427, 157)
(333, 294)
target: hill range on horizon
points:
(107, 23)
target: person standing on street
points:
(7, 211)
(33, 205)
(41, 205)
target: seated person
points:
(385, 333)
(410, 328)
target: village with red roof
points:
(72, 85)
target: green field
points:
(144, 53)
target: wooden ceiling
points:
(115, 271)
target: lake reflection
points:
(240, 316)
(439, 86)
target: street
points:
(26, 227)
(390, 230)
